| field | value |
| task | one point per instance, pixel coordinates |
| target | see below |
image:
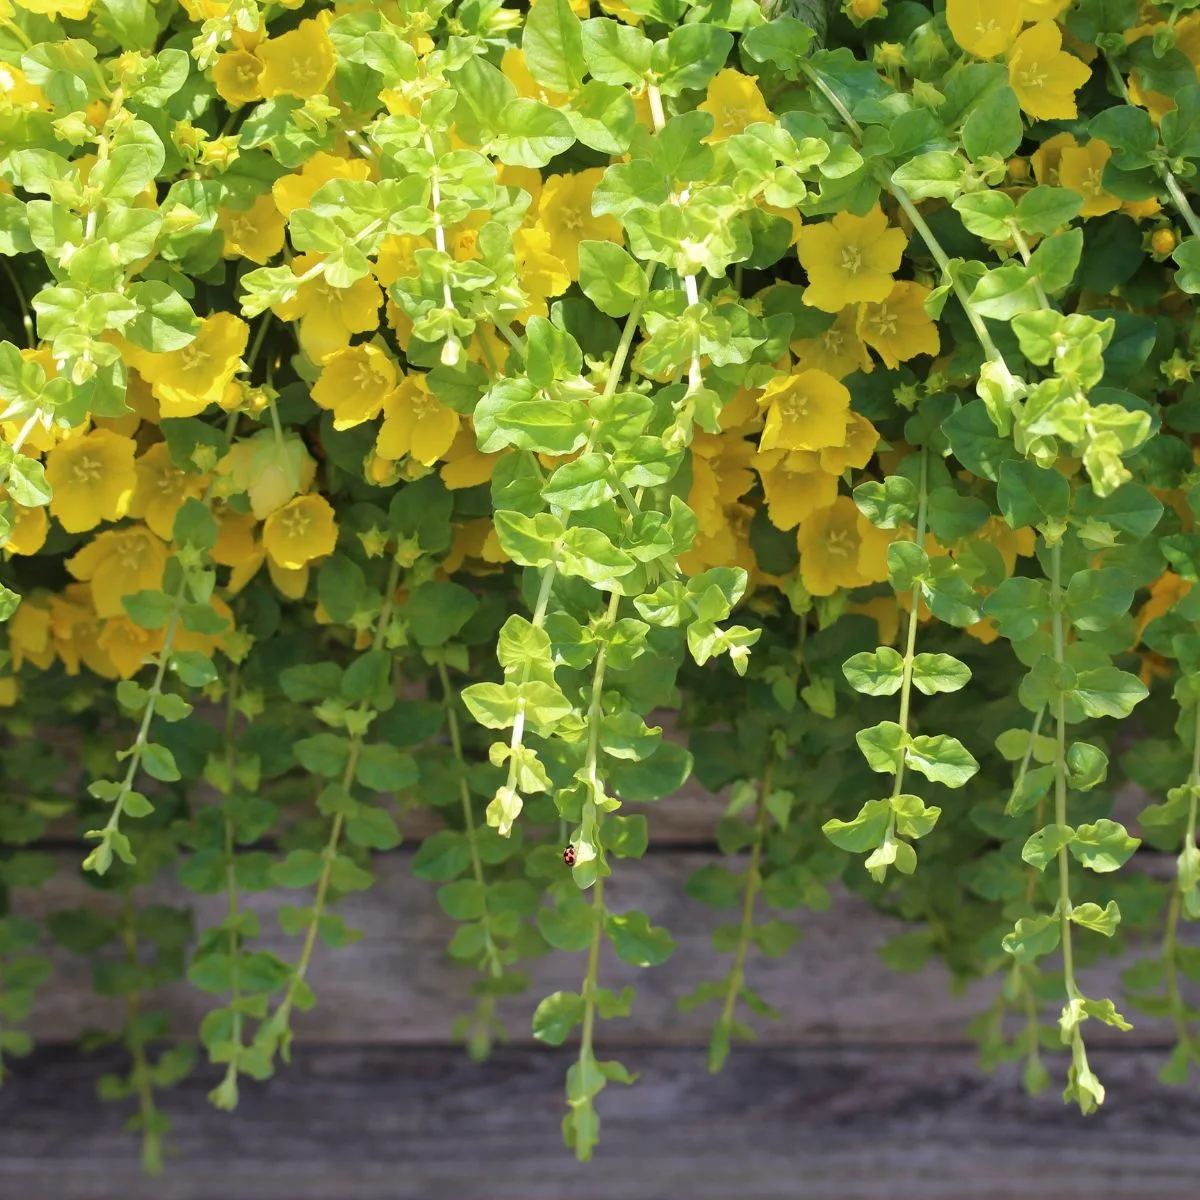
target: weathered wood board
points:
(408, 1123)
(396, 986)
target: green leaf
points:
(882, 746)
(149, 609)
(610, 278)
(1102, 920)
(636, 941)
(437, 610)
(531, 133)
(987, 214)
(1098, 598)
(1056, 260)
(914, 818)
(878, 673)
(324, 754)
(888, 504)
(690, 57)
(994, 128)
(1087, 766)
(1019, 607)
(936, 173)
(864, 832)
(557, 1015)
(159, 763)
(939, 673)
(1033, 938)
(1005, 292)
(581, 484)
(442, 856)
(553, 43)
(26, 482)
(1031, 495)
(383, 768)
(942, 759)
(1180, 127)
(1043, 209)
(1043, 846)
(1103, 845)
(1108, 692)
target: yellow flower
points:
(464, 465)
(838, 351)
(1047, 158)
(840, 548)
(806, 411)
(397, 258)
(1043, 75)
(75, 629)
(984, 28)
(236, 547)
(290, 584)
(565, 213)
(29, 633)
(734, 102)
(329, 316)
(19, 92)
(527, 179)
(354, 384)
(29, 529)
(1081, 168)
(73, 10)
(119, 562)
(721, 475)
(185, 382)
(541, 272)
(1010, 542)
(884, 611)
(861, 439)
(299, 63)
(416, 423)
(255, 233)
(128, 646)
(1042, 10)
(92, 478)
(269, 471)
(161, 490)
(303, 529)
(899, 328)
(513, 65)
(296, 190)
(795, 485)
(850, 259)
(237, 77)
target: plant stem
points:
(910, 647)
(278, 1024)
(140, 1073)
(452, 723)
(723, 1033)
(1060, 776)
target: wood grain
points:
(851, 1123)
(396, 986)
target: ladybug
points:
(569, 855)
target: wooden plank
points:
(853, 1123)
(397, 986)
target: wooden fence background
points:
(867, 1088)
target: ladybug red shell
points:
(569, 856)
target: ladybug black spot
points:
(569, 856)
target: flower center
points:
(1091, 181)
(572, 219)
(131, 552)
(833, 340)
(169, 481)
(240, 228)
(794, 406)
(1033, 76)
(852, 259)
(423, 405)
(306, 68)
(884, 322)
(192, 356)
(295, 523)
(86, 470)
(839, 543)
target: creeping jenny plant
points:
(403, 405)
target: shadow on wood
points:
(409, 1123)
